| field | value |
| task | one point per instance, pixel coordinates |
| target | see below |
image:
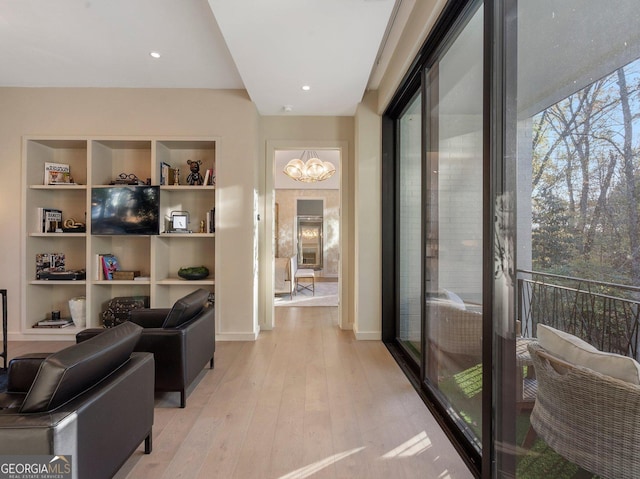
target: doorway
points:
(303, 220)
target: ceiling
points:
(270, 48)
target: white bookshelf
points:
(94, 163)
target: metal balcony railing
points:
(606, 315)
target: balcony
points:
(605, 315)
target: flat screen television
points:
(125, 210)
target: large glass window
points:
(570, 205)
(409, 272)
(438, 234)
(453, 227)
(530, 196)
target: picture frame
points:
(180, 222)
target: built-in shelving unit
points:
(95, 163)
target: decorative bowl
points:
(193, 272)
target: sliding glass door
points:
(409, 230)
(512, 149)
(438, 217)
(453, 226)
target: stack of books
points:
(167, 174)
(49, 220)
(57, 174)
(106, 265)
(49, 263)
(54, 323)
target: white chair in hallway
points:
(304, 278)
(308, 279)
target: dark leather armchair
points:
(182, 340)
(77, 402)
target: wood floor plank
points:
(304, 400)
(287, 450)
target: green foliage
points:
(553, 238)
(542, 462)
(586, 181)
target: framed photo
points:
(180, 222)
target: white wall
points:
(226, 114)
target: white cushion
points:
(576, 351)
(305, 273)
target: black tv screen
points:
(125, 210)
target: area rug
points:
(326, 295)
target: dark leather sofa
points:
(91, 402)
(182, 340)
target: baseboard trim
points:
(237, 336)
(368, 335)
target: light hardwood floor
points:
(304, 400)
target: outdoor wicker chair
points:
(455, 330)
(590, 419)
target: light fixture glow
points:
(306, 87)
(311, 170)
(155, 54)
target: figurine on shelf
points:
(194, 178)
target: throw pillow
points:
(574, 350)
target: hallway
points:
(304, 400)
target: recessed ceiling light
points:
(306, 87)
(155, 54)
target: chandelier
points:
(311, 170)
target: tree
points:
(552, 237)
(585, 193)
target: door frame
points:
(267, 262)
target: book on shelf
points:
(54, 323)
(211, 221)
(109, 264)
(49, 263)
(98, 268)
(57, 174)
(49, 220)
(125, 275)
(208, 177)
(164, 173)
(167, 174)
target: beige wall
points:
(226, 114)
(243, 156)
(367, 191)
(420, 17)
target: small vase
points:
(78, 309)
